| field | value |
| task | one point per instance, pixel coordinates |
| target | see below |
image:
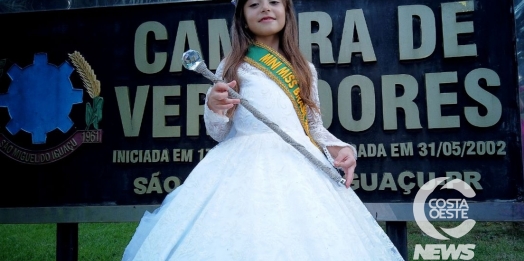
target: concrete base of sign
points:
(485, 211)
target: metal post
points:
(67, 242)
(398, 233)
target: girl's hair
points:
(242, 38)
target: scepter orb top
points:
(191, 59)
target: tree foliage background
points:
(11, 6)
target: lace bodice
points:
(267, 97)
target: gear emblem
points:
(40, 98)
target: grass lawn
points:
(106, 241)
(493, 240)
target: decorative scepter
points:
(193, 62)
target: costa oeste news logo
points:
(441, 210)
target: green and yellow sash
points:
(279, 70)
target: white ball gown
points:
(255, 197)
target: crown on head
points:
(234, 2)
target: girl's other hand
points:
(346, 160)
(218, 100)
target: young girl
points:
(254, 196)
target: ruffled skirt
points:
(256, 197)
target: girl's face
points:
(265, 18)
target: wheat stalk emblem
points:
(92, 85)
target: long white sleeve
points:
(217, 125)
(319, 133)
